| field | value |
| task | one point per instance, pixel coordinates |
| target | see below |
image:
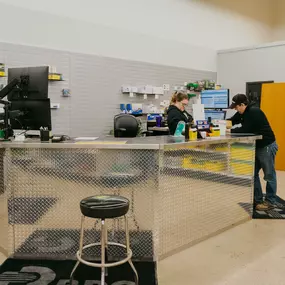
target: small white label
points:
(156, 96)
(131, 94)
(145, 96)
(55, 105)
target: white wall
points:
(182, 33)
(260, 63)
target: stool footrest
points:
(100, 265)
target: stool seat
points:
(104, 206)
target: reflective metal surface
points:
(45, 187)
(109, 142)
(203, 190)
(180, 193)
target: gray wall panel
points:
(95, 84)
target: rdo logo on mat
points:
(34, 275)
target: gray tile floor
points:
(252, 253)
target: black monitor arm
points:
(6, 108)
(3, 93)
(8, 88)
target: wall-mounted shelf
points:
(2, 70)
(145, 114)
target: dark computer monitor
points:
(215, 99)
(34, 114)
(33, 82)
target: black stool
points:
(104, 207)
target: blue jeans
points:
(265, 160)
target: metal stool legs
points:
(129, 250)
(80, 248)
(103, 251)
(104, 244)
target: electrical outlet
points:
(166, 87)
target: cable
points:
(21, 133)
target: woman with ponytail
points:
(176, 111)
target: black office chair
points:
(125, 126)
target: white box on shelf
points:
(126, 89)
(148, 89)
(134, 89)
(158, 90)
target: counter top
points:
(153, 143)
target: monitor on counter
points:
(33, 114)
(215, 115)
(33, 83)
(215, 99)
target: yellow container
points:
(190, 147)
(215, 166)
(221, 148)
(193, 134)
(53, 76)
(229, 124)
(241, 153)
(240, 168)
(189, 162)
(216, 132)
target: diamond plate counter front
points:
(46, 185)
(203, 189)
(180, 193)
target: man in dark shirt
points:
(253, 120)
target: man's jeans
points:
(265, 160)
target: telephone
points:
(59, 138)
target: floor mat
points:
(28, 210)
(56, 272)
(276, 213)
(63, 243)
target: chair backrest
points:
(125, 126)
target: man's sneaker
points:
(263, 207)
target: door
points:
(272, 104)
(254, 90)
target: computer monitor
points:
(215, 99)
(34, 114)
(215, 115)
(33, 83)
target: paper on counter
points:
(101, 142)
(198, 112)
(86, 138)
